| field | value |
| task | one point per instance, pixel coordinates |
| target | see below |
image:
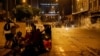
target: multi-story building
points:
(80, 13)
(49, 9)
(85, 12)
(94, 11)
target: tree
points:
(24, 11)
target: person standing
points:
(9, 31)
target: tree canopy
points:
(25, 11)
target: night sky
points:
(66, 5)
(3, 5)
(63, 4)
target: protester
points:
(48, 30)
(18, 43)
(18, 40)
(9, 31)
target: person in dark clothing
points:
(33, 27)
(48, 30)
(40, 41)
(7, 32)
(17, 43)
(30, 48)
(17, 40)
(37, 41)
(29, 51)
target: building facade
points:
(80, 12)
(49, 10)
(85, 12)
(95, 11)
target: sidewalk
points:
(95, 26)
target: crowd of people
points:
(32, 44)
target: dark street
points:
(49, 27)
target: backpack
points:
(7, 27)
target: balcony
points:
(95, 9)
(80, 6)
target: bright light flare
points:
(24, 1)
(67, 28)
(61, 49)
(72, 26)
(78, 0)
(28, 28)
(56, 0)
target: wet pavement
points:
(70, 42)
(74, 42)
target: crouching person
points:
(18, 43)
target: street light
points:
(81, 9)
(56, 0)
(24, 1)
(78, 0)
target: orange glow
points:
(24, 1)
(56, 0)
(77, 0)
